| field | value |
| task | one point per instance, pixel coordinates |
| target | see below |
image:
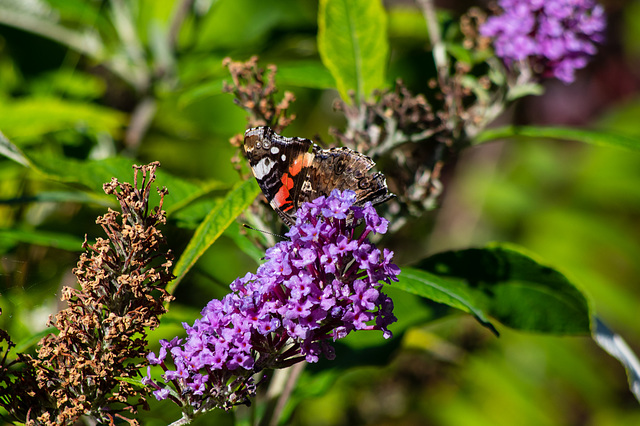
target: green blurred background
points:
(74, 75)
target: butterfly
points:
(292, 171)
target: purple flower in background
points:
(316, 288)
(555, 36)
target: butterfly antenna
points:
(265, 232)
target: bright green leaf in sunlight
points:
(238, 199)
(70, 84)
(11, 151)
(58, 197)
(511, 286)
(353, 45)
(450, 292)
(93, 174)
(408, 23)
(30, 118)
(593, 137)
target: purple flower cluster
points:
(319, 286)
(556, 36)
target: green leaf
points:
(61, 197)
(511, 286)
(69, 83)
(194, 213)
(30, 118)
(451, 292)
(81, 12)
(93, 174)
(234, 25)
(12, 152)
(131, 381)
(459, 52)
(352, 41)
(523, 90)
(407, 22)
(31, 341)
(594, 137)
(22, 16)
(42, 238)
(238, 199)
(304, 74)
(201, 91)
(90, 174)
(183, 193)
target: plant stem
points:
(439, 52)
(275, 406)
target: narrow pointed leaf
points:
(28, 119)
(93, 174)
(11, 151)
(225, 212)
(593, 137)
(84, 41)
(60, 197)
(42, 238)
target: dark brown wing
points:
(280, 166)
(344, 168)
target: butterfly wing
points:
(344, 168)
(280, 165)
(291, 171)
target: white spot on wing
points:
(284, 157)
(274, 150)
(263, 167)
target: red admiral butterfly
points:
(291, 171)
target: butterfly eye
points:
(258, 145)
(266, 144)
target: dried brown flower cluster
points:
(102, 335)
(470, 24)
(254, 91)
(19, 390)
(407, 138)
